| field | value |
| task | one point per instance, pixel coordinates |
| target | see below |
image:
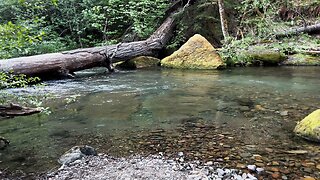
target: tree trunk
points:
(223, 19)
(65, 63)
(308, 29)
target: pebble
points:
(285, 171)
(307, 170)
(284, 177)
(284, 113)
(251, 177)
(259, 170)
(308, 164)
(259, 107)
(275, 175)
(318, 166)
(180, 154)
(251, 167)
(308, 178)
(220, 172)
(259, 164)
(269, 150)
(274, 169)
(244, 155)
(241, 166)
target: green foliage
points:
(26, 38)
(29, 27)
(144, 15)
(257, 17)
(233, 52)
(179, 37)
(258, 23)
(9, 80)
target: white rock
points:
(227, 171)
(251, 167)
(251, 177)
(284, 113)
(237, 177)
(220, 172)
(259, 170)
(180, 154)
(244, 176)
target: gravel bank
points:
(152, 167)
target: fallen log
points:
(313, 29)
(17, 110)
(63, 64)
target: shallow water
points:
(116, 113)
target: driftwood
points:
(17, 110)
(65, 63)
(11, 111)
(3, 143)
(313, 29)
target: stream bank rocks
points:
(75, 153)
(196, 53)
(302, 60)
(309, 127)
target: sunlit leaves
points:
(9, 80)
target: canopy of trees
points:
(29, 27)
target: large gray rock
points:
(75, 153)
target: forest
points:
(233, 84)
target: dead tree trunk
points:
(308, 29)
(65, 63)
(223, 19)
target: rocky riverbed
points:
(151, 167)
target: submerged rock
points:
(196, 53)
(75, 153)
(309, 127)
(139, 63)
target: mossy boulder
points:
(302, 60)
(265, 56)
(139, 63)
(309, 127)
(196, 53)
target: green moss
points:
(309, 127)
(303, 60)
(139, 63)
(267, 57)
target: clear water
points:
(103, 110)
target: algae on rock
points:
(196, 53)
(302, 60)
(265, 55)
(139, 63)
(309, 127)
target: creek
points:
(225, 116)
